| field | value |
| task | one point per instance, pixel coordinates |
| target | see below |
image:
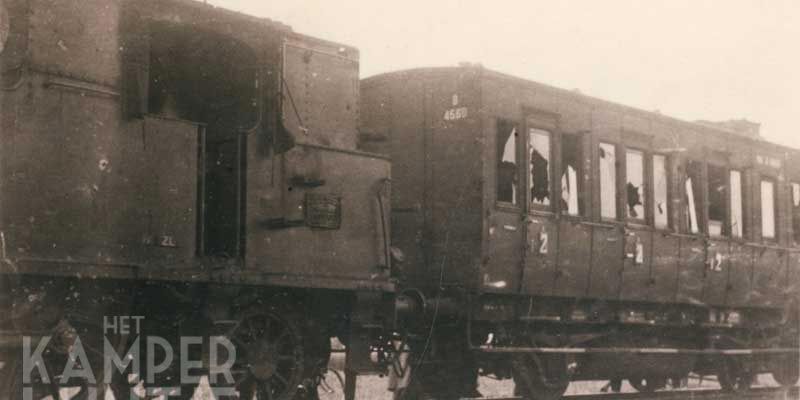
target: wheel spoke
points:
(266, 388)
(281, 378)
(284, 334)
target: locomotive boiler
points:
(192, 169)
(550, 237)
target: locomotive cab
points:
(193, 166)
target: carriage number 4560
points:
(454, 114)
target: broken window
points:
(507, 182)
(539, 178)
(717, 200)
(634, 187)
(767, 209)
(660, 201)
(737, 220)
(795, 205)
(570, 172)
(692, 188)
(608, 181)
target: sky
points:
(690, 59)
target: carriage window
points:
(737, 220)
(660, 202)
(796, 211)
(694, 172)
(768, 209)
(570, 173)
(634, 187)
(608, 181)
(539, 177)
(717, 200)
(507, 182)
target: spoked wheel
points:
(12, 385)
(10, 377)
(785, 369)
(269, 355)
(734, 374)
(540, 376)
(648, 385)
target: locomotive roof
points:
(277, 25)
(236, 14)
(579, 97)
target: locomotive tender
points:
(563, 237)
(214, 174)
(193, 166)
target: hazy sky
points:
(691, 59)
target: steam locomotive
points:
(170, 170)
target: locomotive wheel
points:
(647, 385)
(10, 378)
(734, 375)
(11, 382)
(540, 376)
(785, 369)
(269, 354)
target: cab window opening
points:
(660, 196)
(737, 214)
(717, 201)
(795, 206)
(507, 180)
(692, 191)
(768, 209)
(634, 185)
(608, 180)
(539, 171)
(571, 184)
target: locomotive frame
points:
(198, 168)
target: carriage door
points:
(505, 223)
(721, 213)
(541, 241)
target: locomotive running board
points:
(631, 350)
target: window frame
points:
(645, 219)
(548, 123)
(725, 229)
(744, 202)
(775, 211)
(668, 191)
(700, 199)
(518, 198)
(615, 185)
(795, 213)
(582, 186)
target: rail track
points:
(764, 393)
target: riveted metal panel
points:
(321, 84)
(574, 258)
(691, 272)
(540, 275)
(356, 250)
(666, 263)
(740, 264)
(607, 252)
(769, 277)
(503, 262)
(635, 279)
(716, 272)
(792, 288)
(65, 34)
